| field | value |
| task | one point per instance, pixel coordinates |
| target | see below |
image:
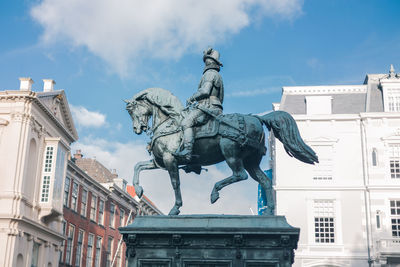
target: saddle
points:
(209, 129)
(232, 126)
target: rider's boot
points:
(186, 153)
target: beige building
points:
(36, 130)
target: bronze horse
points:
(241, 148)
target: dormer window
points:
(393, 100)
(319, 105)
(390, 86)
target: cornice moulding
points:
(324, 89)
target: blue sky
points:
(103, 51)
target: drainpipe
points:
(367, 204)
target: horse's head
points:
(140, 113)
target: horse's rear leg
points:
(257, 174)
(231, 152)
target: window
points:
(93, 207)
(112, 215)
(395, 217)
(83, 202)
(129, 220)
(74, 196)
(378, 219)
(79, 248)
(374, 157)
(66, 191)
(70, 243)
(64, 227)
(323, 169)
(122, 250)
(121, 217)
(394, 157)
(97, 259)
(47, 170)
(59, 176)
(109, 251)
(48, 159)
(118, 262)
(393, 100)
(101, 212)
(324, 221)
(35, 255)
(89, 253)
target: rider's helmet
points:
(212, 54)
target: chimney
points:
(114, 173)
(78, 154)
(48, 85)
(121, 183)
(25, 84)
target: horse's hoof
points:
(174, 211)
(268, 211)
(214, 197)
(139, 191)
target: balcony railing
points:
(389, 246)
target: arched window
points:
(20, 260)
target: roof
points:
(95, 169)
(346, 99)
(131, 191)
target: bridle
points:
(151, 131)
(143, 120)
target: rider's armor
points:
(209, 96)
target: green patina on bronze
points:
(200, 135)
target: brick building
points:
(96, 203)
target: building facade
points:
(36, 130)
(348, 205)
(96, 203)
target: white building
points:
(348, 205)
(36, 130)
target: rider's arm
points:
(203, 92)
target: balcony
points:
(389, 247)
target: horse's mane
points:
(162, 98)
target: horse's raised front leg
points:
(231, 152)
(171, 165)
(141, 166)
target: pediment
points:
(57, 104)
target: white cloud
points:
(124, 32)
(87, 118)
(196, 189)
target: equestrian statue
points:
(200, 135)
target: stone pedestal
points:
(210, 241)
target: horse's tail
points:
(285, 129)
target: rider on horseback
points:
(209, 96)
